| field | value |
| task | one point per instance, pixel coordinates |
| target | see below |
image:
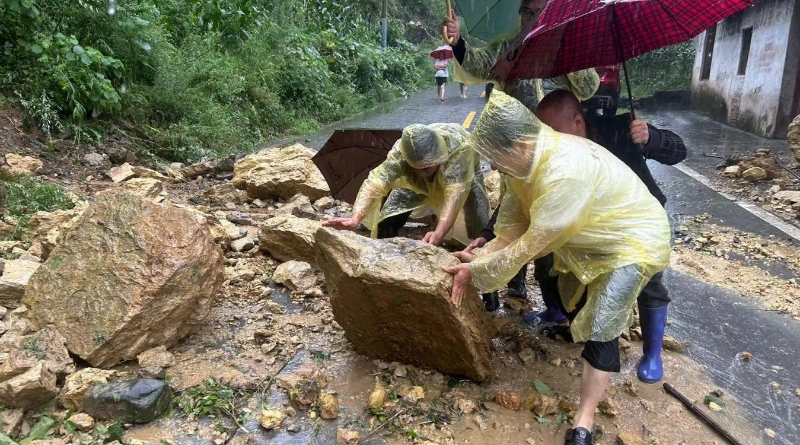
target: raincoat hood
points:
(507, 135)
(422, 147)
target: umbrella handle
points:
(447, 39)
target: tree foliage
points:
(208, 77)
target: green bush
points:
(665, 69)
(206, 77)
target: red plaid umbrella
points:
(572, 35)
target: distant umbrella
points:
(442, 53)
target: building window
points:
(708, 52)
(747, 35)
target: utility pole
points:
(384, 26)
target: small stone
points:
(377, 398)
(530, 441)
(416, 394)
(324, 203)
(718, 393)
(271, 419)
(30, 389)
(466, 406)
(293, 428)
(629, 439)
(527, 356)
(733, 170)
(152, 373)
(295, 275)
(509, 400)
(608, 407)
(671, 344)
(568, 406)
(268, 347)
(745, 356)
(648, 405)
(714, 407)
(82, 421)
(797, 392)
(556, 362)
(243, 244)
(11, 422)
(754, 174)
(400, 371)
(770, 433)
(157, 357)
(775, 386)
(329, 407)
(347, 437)
(541, 405)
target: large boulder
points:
(289, 238)
(282, 172)
(130, 276)
(16, 274)
(135, 401)
(393, 301)
(793, 137)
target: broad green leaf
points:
(541, 388)
(36, 48)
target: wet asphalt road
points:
(718, 323)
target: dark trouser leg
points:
(653, 301)
(390, 227)
(516, 287)
(654, 294)
(549, 287)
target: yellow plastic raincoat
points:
(567, 195)
(457, 186)
(477, 66)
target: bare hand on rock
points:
(432, 238)
(342, 223)
(465, 256)
(476, 243)
(461, 280)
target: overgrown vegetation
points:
(26, 195)
(665, 69)
(188, 78)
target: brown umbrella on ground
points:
(348, 157)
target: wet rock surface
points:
(159, 271)
(282, 172)
(391, 297)
(135, 401)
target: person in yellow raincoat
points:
(429, 170)
(568, 196)
(474, 66)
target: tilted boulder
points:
(393, 300)
(130, 276)
(289, 238)
(282, 172)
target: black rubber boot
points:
(490, 301)
(578, 436)
(516, 287)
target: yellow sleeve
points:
(381, 180)
(555, 217)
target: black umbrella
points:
(349, 155)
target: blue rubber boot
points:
(653, 322)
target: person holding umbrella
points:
(568, 196)
(441, 58)
(474, 66)
(561, 110)
(430, 169)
